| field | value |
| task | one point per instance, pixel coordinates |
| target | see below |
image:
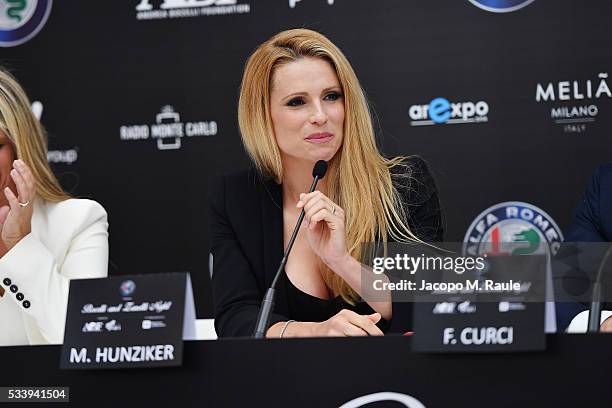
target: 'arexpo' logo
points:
(501, 6)
(20, 20)
(441, 111)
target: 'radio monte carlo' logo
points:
(512, 228)
(20, 20)
(168, 130)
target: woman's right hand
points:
(348, 323)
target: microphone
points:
(267, 304)
(595, 309)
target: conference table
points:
(571, 372)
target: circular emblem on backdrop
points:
(20, 20)
(501, 6)
(512, 228)
(406, 400)
(127, 287)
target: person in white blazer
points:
(46, 237)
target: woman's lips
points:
(319, 137)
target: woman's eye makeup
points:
(298, 101)
(333, 96)
(295, 102)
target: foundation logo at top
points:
(168, 130)
(20, 20)
(501, 6)
(576, 103)
(145, 10)
(440, 111)
(512, 228)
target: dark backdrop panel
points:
(96, 68)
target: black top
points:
(246, 216)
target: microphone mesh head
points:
(319, 169)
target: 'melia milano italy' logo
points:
(21, 20)
(575, 103)
(512, 228)
(440, 112)
(501, 6)
(189, 8)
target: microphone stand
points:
(263, 319)
(595, 309)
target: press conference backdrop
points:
(509, 101)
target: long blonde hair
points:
(372, 206)
(28, 137)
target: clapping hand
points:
(16, 217)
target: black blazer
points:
(592, 223)
(246, 227)
(593, 219)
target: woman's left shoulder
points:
(413, 178)
(409, 165)
(419, 195)
(82, 211)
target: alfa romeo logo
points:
(20, 20)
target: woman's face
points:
(307, 108)
(7, 156)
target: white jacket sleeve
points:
(42, 278)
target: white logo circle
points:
(407, 400)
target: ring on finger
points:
(24, 204)
(333, 210)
